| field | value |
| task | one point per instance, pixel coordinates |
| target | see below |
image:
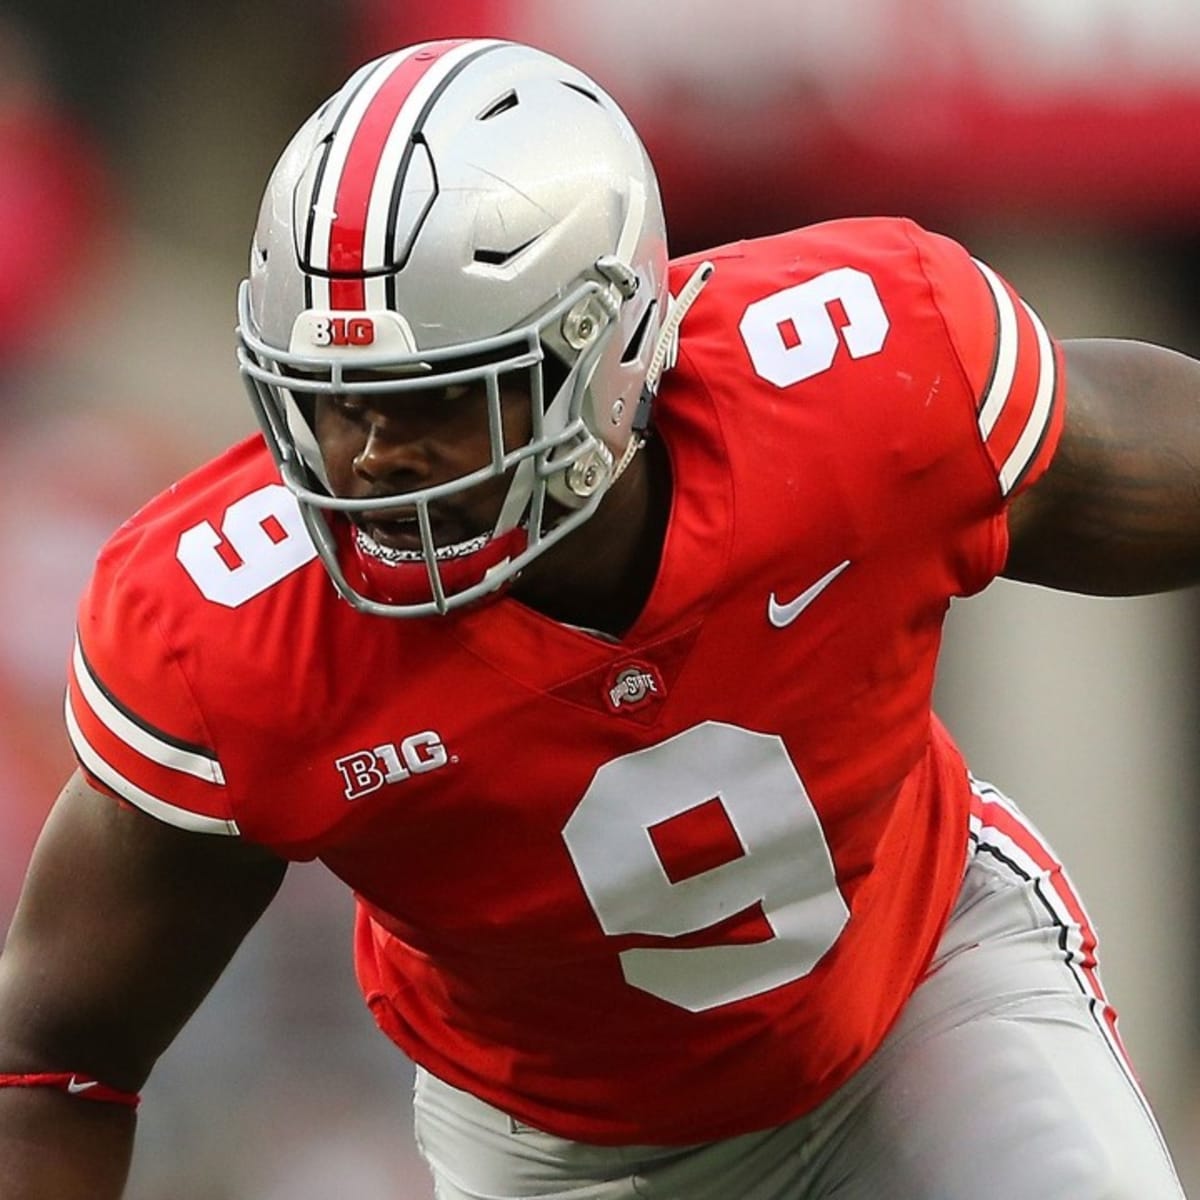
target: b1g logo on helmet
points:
(632, 686)
(366, 771)
(343, 331)
(333, 332)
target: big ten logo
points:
(343, 331)
(366, 771)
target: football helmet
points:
(459, 211)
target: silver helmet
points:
(459, 211)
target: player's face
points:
(396, 443)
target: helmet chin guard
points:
(369, 570)
(462, 212)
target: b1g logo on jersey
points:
(366, 771)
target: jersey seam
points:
(1000, 540)
(958, 361)
(730, 490)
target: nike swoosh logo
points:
(781, 615)
(75, 1087)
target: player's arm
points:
(1118, 510)
(123, 925)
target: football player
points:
(579, 609)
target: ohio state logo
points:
(366, 771)
(632, 686)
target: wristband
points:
(76, 1085)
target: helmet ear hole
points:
(636, 345)
(554, 376)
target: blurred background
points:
(1057, 138)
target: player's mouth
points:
(391, 531)
(396, 537)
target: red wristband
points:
(80, 1087)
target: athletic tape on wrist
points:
(76, 1085)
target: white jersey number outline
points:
(791, 334)
(263, 559)
(785, 867)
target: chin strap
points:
(76, 1085)
(666, 352)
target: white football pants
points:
(1003, 1078)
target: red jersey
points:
(657, 890)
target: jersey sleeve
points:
(1012, 365)
(133, 721)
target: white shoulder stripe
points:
(1006, 352)
(1031, 435)
(170, 814)
(135, 736)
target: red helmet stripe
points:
(348, 231)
